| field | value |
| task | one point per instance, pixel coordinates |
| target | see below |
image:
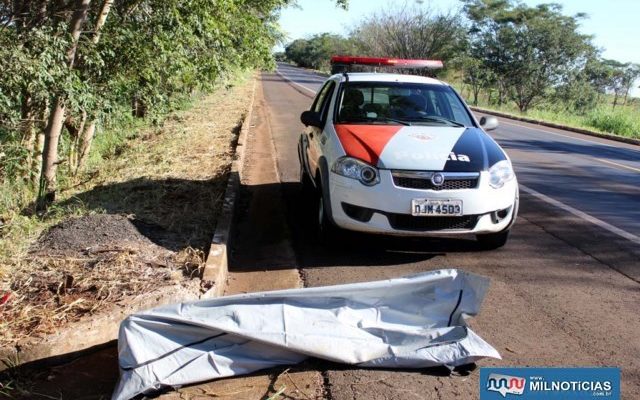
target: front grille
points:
(423, 183)
(407, 222)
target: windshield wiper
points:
(378, 119)
(400, 121)
(443, 120)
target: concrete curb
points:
(558, 126)
(89, 334)
(216, 269)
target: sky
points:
(615, 24)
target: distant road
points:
(592, 178)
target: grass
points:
(623, 121)
(170, 175)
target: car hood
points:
(419, 147)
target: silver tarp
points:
(412, 322)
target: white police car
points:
(403, 155)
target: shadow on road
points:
(263, 231)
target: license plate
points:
(425, 207)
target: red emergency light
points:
(386, 62)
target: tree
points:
(411, 32)
(621, 79)
(475, 74)
(316, 51)
(531, 50)
(630, 74)
(583, 88)
(53, 130)
(87, 130)
(66, 63)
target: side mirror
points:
(310, 118)
(489, 123)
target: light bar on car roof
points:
(386, 62)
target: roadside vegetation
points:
(502, 55)
(109, 185)
(85, 91)
(73, 70)
(139, 220)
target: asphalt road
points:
(565, 290)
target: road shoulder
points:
(261, 258)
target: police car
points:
(398, 154)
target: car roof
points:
(386, 77)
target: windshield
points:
(401, 103)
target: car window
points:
(322, 95)
(393, 102)
(324, 104)
(458, 111)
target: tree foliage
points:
(316, 51)
(411, 32)
(64, 72)
(622, 77)
(531, 50)
(403, 32)
(537, 54)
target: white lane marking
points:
(618, 165)
(604, 225)
(566, 136)
(584, 140)
(295, 83)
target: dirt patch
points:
(99, 233)
(82, 263)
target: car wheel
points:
(491, 241)
(307, 189)
(327, 232)
(326, 229)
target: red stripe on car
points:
(365, 142)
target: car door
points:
(315, 136)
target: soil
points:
(101, 232)
(82, 264)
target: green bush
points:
(616, 122)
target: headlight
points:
(356, 169)
(500, 173)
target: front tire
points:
(307, 189)
(492, 241)
(326, 230)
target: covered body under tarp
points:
(412, 322)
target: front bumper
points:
(386, 208)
